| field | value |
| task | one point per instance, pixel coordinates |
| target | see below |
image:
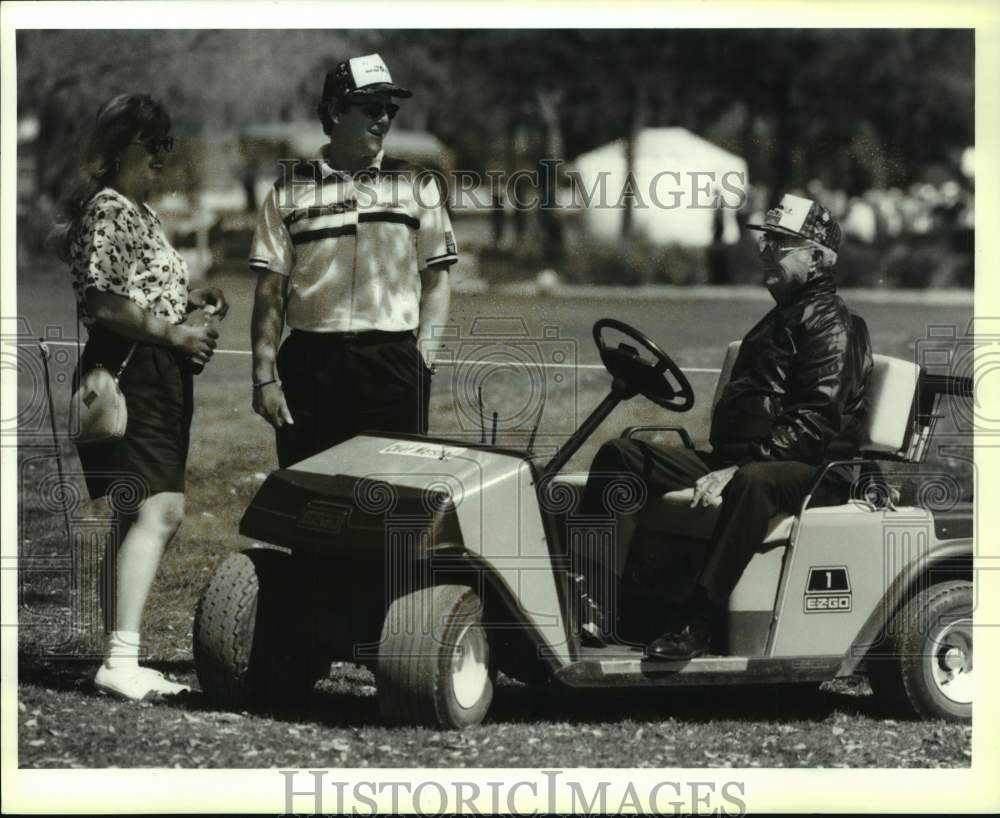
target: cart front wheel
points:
(434, 664)
(251, 645)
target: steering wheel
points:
(636, 375)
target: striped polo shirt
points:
(353, 247)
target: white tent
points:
(681, 180)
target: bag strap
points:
(79, 355)
(124, 363)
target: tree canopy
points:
(855, 108)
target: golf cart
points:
(438, 562)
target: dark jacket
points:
(798, 387)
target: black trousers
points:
(339, 384)
(756, 493)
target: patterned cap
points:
(796, 216)
(359, 76)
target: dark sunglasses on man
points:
(780, 246)
(375, 109)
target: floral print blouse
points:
(120, 247)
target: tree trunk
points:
(637, 122)
(552, 149)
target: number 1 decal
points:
(828, 590)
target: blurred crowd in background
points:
(878, 125)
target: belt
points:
(359, 338)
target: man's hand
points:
(708, 489)
(269, 403)
(209, 297)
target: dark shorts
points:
(152, 457)
(337, 385)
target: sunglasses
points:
(162, 144)
(375, 110)
(767, 242)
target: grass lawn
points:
(61, 724)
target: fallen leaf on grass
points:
(31, 723)
(339, 745)
(799, 746)
(837, 731)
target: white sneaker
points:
(136, 683)
(162, 684)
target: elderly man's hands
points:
(708, 489)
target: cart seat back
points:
(892, 392)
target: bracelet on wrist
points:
(259, 385)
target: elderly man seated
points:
(796, 398)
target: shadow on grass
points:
(337, 704)
(346, 699)
(759, 703)
(70, 674)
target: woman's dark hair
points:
(120, 121)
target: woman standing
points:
(132, 295)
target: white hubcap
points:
(951, 661)
(470, 666)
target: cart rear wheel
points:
(434, 664)
(249, 648)
(927, 670)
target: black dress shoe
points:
(685, 643)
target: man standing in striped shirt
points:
(353, 251)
